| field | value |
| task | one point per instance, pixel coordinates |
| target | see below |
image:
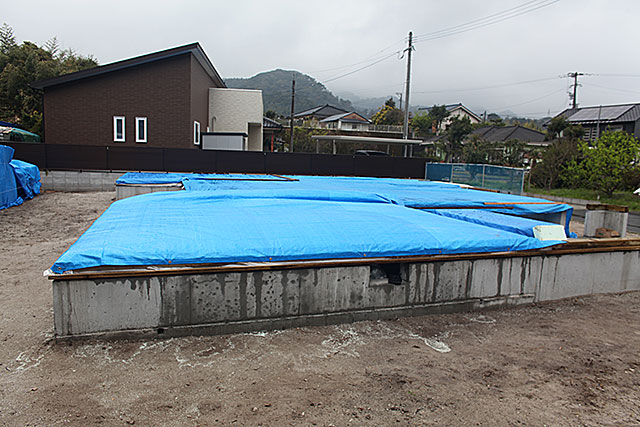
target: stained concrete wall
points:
(241, 301)
(74, 181)
(124, 191)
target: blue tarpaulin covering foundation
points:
(229, 226)
(406, 192)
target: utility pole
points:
(399, 95)
(574, 96)
(409, 49)
(293, 104)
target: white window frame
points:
(115, 129)
(196, 132)
(138, 121)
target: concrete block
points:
(269, 293)
(603, 218)
(452, 280)
(207, 297)
(420, 283)
(291, 293)
(111, 305)
(485, 281)
(333, 289)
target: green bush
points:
(606, 165)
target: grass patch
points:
(624, 198)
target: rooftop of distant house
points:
(602, 113)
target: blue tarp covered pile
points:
(18, 180)
(240, 219)
(27, 179)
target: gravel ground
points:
(573, 362)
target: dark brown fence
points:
(92, 158)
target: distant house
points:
(321, 112)
(346, 121)
(455, 110)
(163, 99)
(595, 120)
(497, 134)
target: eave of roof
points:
(193, 48)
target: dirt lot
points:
(575, 362)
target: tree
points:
(547, 173)
(390, 103)
(429, 123)
(23, 64)
(479, 150)
(7, 39)
(271, 114)
(559, 126)
(613, 156)
(422, 124)
(438, 114)
(456, 131)
(513, 153)
(388, 115)
(495, 120)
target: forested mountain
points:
(276, 91)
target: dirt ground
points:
(574, 362)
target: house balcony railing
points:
(347, 127)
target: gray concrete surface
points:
(243, 301)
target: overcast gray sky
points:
(474, 67)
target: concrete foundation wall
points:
(74, 181)
(124, 191)
(242, 301)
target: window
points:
(118, 128)
(141, 129)
(354, 126)
(196, 133)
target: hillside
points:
(276, 91)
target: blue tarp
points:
(407, 192)
(513, 224)
(8, 187)
(132, 178)
(27, 178)
(197, 227)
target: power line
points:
(361, 68)
(532, 100)
(488, 87)
(488, 20)
(459, 26)
(613, 88)
(368, 59)
(615, 75)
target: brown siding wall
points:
(200, 84)
(82, 112)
